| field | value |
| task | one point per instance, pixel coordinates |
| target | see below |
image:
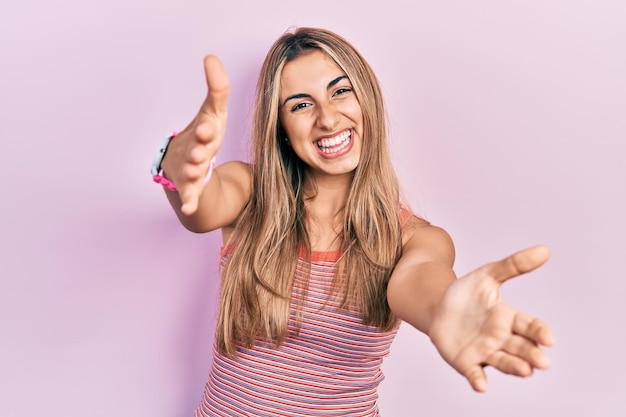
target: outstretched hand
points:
(474, 328)
(188, 157)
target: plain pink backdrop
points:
(508, 121)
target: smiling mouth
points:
(335, 144)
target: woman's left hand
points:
(473, 328)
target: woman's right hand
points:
(189, 154)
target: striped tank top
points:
(332, 367)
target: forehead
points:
(308, 72)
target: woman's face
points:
(321, 114)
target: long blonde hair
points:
(271, 233)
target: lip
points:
(339, 153)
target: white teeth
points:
(336, 144)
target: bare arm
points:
(200, 207)
(422, 275)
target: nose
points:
(327, 116)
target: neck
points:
(325, 201)
(327, 194)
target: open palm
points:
(474, 328)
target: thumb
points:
(518, 263)
(218, 85)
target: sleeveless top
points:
(332, 367)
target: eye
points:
(342, 90)
(300, 106)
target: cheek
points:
(295, 127)
(353, 109)
(286, 126)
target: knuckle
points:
(197, 154)
(190, 172)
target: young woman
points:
(321, 261)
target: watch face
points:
(156, 164)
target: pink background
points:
(509, 129)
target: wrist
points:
(156, 170)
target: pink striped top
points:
(331, 368)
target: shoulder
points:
(237, 169)
(237, 176)
(425, 242)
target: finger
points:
(527, 350)
(477, 378)
(198, 155)
(217, 83)
(194, 172)
(509, 364)
(189, 199)
(533, 329)
(205, 132)
(519, 263)
(208, 133)
(190, 192)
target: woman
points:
(321, 261)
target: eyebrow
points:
(328, 87)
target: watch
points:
(156, 164)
